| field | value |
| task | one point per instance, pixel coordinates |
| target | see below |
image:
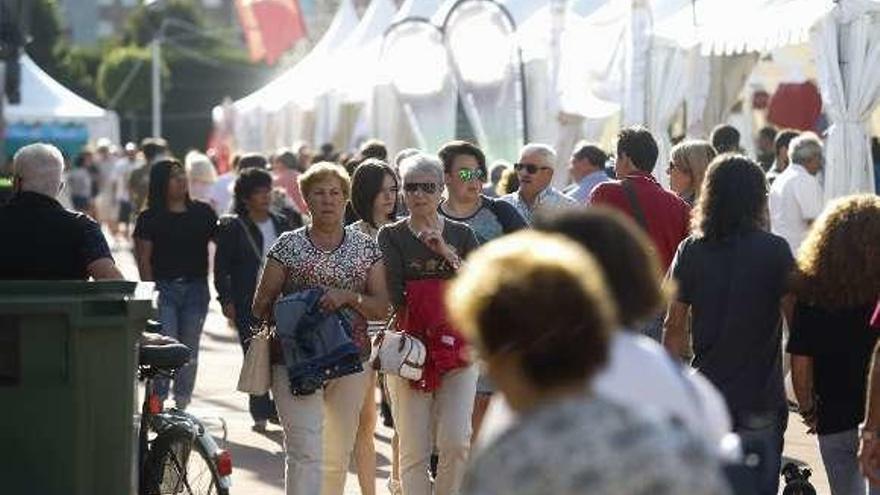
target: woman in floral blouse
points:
(319, 429)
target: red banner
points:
(271, 27)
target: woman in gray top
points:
(422, 247)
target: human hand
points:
(334, 299)
(869, 460)
(811, 419)
(434, 240)
(229, 311)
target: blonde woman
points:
(688, 161)
(320, 429)
(201, 174)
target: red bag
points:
(426, 319)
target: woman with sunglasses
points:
(421, 252)
(687, 167)
(464, 166)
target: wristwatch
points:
(868, 434)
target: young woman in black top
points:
(171, 245)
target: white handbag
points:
(255, 377)
(398, 353)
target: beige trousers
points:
(319, 432)
(416, 414)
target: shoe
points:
(274, 420)
(385, 410)
(432, 466)
(259, 426)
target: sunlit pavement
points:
(258, 459)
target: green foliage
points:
(144, 22)
(45, 33)
(125, 74)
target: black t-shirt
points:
(180, 240)
(43, 241)
(840, 343)
(734, 288)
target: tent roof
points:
(340, 27)
(43, 98)
(725, 27)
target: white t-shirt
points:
(641, 375)
(267, 230)
(221, 193)
(795, 201)
(124, 167)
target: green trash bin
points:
(68, 386)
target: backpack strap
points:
(634, 203)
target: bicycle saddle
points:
(165, 356)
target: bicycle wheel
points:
(179, 464)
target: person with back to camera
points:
(733, 277)
(538, 310)
(836, 285)
(46, 241)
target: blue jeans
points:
(765, 435)
(840, 456)
(183, 306)
(261, 407)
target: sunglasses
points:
(530, 168)
(425, 187)
(469, 174)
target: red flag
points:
(270, 26)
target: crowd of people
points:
(572, 334)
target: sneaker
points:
(274, 420)
(259, 426)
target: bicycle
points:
(176, 453)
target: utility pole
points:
(156, 46)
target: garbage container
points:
(68, 385)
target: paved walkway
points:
(258, 458)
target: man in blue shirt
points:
(587, 169)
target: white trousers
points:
(416, 414)
(319, 432)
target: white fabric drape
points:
(847, 45)
(636, 69)
(669, 83)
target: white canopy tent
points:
(44, 100)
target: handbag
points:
(255, 376)
(398, 353)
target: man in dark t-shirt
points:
(44, 241)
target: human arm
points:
(268, 289)
(869, 450)
(104, 269)
(809, 197)
(394, 267)
(373, 304)
(675, 338)
(225, 240)
(144, 252)
(802, 379)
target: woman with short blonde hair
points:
(320, 428)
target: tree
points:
(45, 30)
(143, 23)
(124, 80)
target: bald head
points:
(38, 168)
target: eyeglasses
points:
(469, 174)
(529, 167)
(425, 187)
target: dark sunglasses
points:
(469, 174)
(530, 168)
(426, 187)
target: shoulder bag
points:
(398, 353)
(255, 376)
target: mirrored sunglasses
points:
(469, 174)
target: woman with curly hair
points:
(732, 275)
(836, 283)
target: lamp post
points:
(156, 49)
